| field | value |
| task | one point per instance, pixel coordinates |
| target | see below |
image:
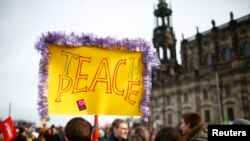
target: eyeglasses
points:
(123, 128)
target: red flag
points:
(7, 127)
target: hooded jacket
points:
(198, 133)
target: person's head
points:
(168, 134)
(120, 129)
(241, 121)
(22, 131)
(142, 131)
(135, 137)
(189, 121)
(78, 129)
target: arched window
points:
(205, 94)
(185, 98)
(228, 91)
(170, 119)
(161, 53)
(209, 59)
(168, 100)
(230, 113)
(168, 53)
(160, 21)
(207, 116)
(247, 49)
(195, 64)
(227, 54)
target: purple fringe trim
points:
(150, 60)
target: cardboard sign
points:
(92, 80)
(96, 76)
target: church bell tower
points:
(164, 41)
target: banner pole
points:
(95, 134)
(10, 109)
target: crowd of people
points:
(191, 128)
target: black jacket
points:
(113, 138)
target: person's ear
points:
(115, 130)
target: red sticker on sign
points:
(81, 104)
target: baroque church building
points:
(213, 79)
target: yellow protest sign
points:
(92, 80)
(85, 74)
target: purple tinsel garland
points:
(150, 60)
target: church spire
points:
(163, 13)
(164, 39)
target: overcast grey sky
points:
(23, 21)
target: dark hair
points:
(78, 129)
(135, 137)
(192, 118)
(21, 130)
(142, 132)
(168, 134)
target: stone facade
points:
(213, 79)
